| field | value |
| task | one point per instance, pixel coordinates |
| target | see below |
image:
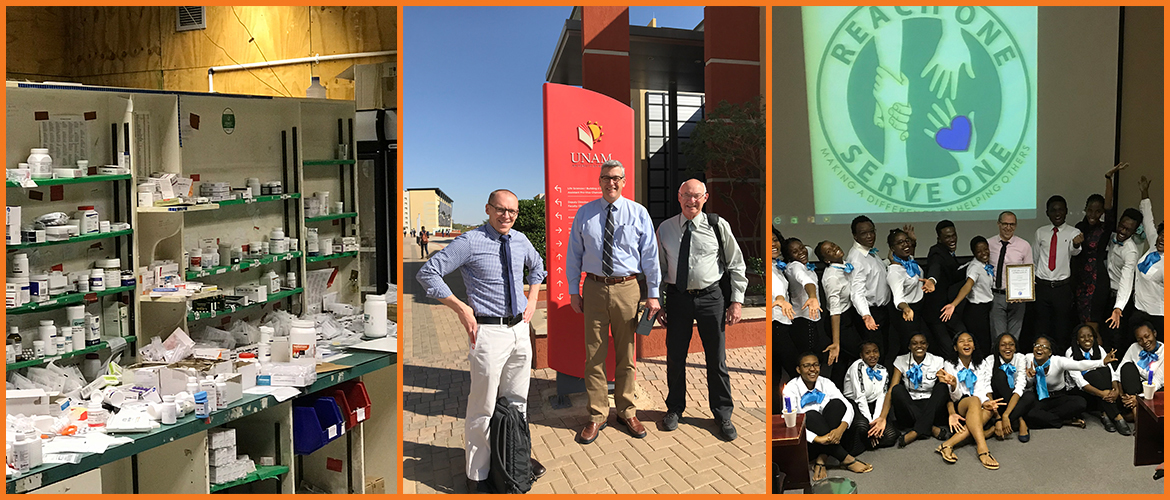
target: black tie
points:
(999, 265)
(607, 248)
(682, 272)
(506, 263)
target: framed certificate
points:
(1021, 283)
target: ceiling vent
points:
(190, 18)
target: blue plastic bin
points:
(316, 422)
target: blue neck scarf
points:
(1042, 380)
(847, 267)
(914, 374)
(873, 251)
(911, 266)
(812, 397)
(810, 266)
(1010, 371)
(873, 373)
(1149, 262)
(1145, 358)
(967, 377)
(990, 269)
(779, 264)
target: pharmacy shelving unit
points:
(216, 138)
(76, 126)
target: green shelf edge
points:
(359, 363)
(262, 472)
(346, 215)
(244, 265)
(259, 199)
(322, 258)
(65, 300)
(272, 297)
(75, 180)
(75, 239)
(318, 163)
(38, 362)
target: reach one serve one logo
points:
(924, 108)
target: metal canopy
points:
(657, 57)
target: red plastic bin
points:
(358, 401)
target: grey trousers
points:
(1006, 317)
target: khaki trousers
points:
(611, 309)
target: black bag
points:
(511, 448)
(725, 279)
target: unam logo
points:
(925, 107)
(590, 133)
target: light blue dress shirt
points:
(635, 249)
(476, 254)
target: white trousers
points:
(501, 366)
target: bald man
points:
(496, 316)
(696, 250)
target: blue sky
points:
(471, 117)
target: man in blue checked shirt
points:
(612, 241)
(492, 259)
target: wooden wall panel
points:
(138, 46)
(109, 40)
(36, 41)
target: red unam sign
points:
(582, 130)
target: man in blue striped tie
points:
(491, 259)
(612, 241)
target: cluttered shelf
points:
(354, 364)
(259, 199)
(66, 300)
(320, 218)
(262, 472)
(75, 239)
(81, 352)
(321, 258)
(74, 180)
(272, 297)
(244, 265)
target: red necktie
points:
(1052, 251)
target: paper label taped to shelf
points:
(361, 414)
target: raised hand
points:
(1031, 369)
(941, 119)
(1109, 358)
(951, 59)
(1116, 168)
(993, 404)
(1144, 186)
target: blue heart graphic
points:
(957, 137)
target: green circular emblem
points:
(924, 108)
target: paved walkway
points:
(691, 459)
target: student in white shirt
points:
(1122, 265)
(807, 331)
(866, 385)
(908, 285)
(977, 291)
(836, 287)
(1056, 244)
(870, 293)
(784, 353)
(1144, 361)
(1148, 287)
(1008, 383)
(1101, 387)
(918, 402)
(1055, 405)
(827, 415)
(971, 402)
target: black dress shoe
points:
(670, 421)
(478, 487)
(728, 430)
(1123, 427)
(537, 469)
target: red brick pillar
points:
(605, 46)
(731, 53)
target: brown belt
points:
(611, 280)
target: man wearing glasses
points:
(1006, 249)
(612, 241)
(689, 252)
(491, 259)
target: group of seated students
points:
(913, 348)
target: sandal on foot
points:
(994, 466)
(823, 472)
(944, 450)
(1077, 422)
(866, 466)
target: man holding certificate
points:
(1007, 249)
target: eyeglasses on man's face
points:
(612, 178)
(505, 211)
